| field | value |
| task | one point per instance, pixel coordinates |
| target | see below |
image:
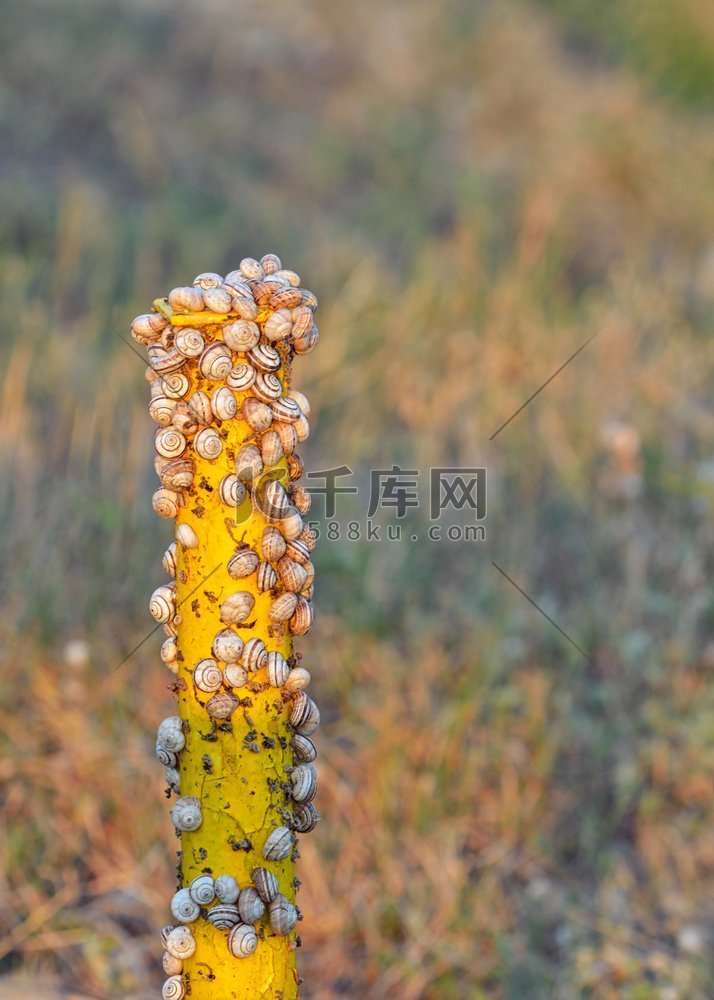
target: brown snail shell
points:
(176, 385)
(286, 409)
(309, 298)
(241, 336)
(279, 325)
(270, 262)
(303, 317)
(264, 358)
(208, 443)
(223, 404)
(169, 652)
(170, 443)
(292, 575)
(308, 343)
(287, 435)
(236, 608)
(274, 500)
(302, 428)
(261, 290)
(166, 503)
(255, 655)
(178, 474)
(278, 845)
(302, 621)
(186, 299)
(296, 466)
(241, 377)
(308, 537)
(164, 362)
(172, 966)
(257, 415)
(184, 419)
(291, 525)
(300, 499)
(272, 544)
(283, 608)
(266, 884)
(215, 362)
(298, 551)
(271, 448)
(243, 563)
(148, 327)
(237, 284)
(277, 669)
(286, 298)
(222, 705)
(231, 491)
(267, 577)
(267, 386)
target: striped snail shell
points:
(227, 646)
(180, 942)
(296, 466)
(264, 358)
(304, 750)
(277, 669)
(266, 884)
(170, 734)
(283, 608)
(271, 448)
(189, 342)
(286, 298)
(297, 680)
(224, 916)
(170, 443)
(184, 419)
(208, 279)
(162, 605)
(231, 491)
(166, 757)
(164, 362)
(186, 299)
(305, 817)
(165, 931)
(171, 628)
(272, 544)
(301, 399)
(303, 778)
(169, 651)
(279, 325)
(200, 404)
(177, 474)
(242, 941)
(267, 386)
(243, 563)
(173, 989)
(270, 262)
(274, 500)
(302, 711)
(278, 845)
(202, 890)
(250, 906)
(283, 915)
(148, 327)
(308, 537)
(285, 408)
(236, 283)
(298, 551)
(186, 536)
(291, 525)
(261, 290)
(300, 498)
(309, 298)
(292, 575)
(249, 267)
(169, 560)
(310, 570)
(241, 377)
(183, 907)
(207, 676)
(215, 362)
(222, 705)
(302, 428)
(287, 435)
(241, 336)
(161, 410)
(303, 317)
(173, 779)
(172, 966)
(267, 577)
(249, 463)
(308, 343)
(208, 443)
(235, 675)
(227, 889)
(186, 815)
(245, 307)
(176, 385)
(257, 415)
(290, 276)
(237, 607)
(223, 404)
(304, 617)
(218, 300)
(255, 655)
(166, 503)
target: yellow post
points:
(238, 753)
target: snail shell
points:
(271, 448)
(227, 889)
(228, 646)
(309, 298)
(249, 463)
(170, 628)
(169, 651)
(308, 343)
(250, 906)
(283, 608)
(200, 404)
(241, 336)
(286, 298)
(236, 283)
(166, 503)
(292, 575)
(303, 318)
(305, 817)
(177, 474)
(301, 399)
(302, 621)
(162, 605)
(291, 525)
(297, 680)
(215, 362)
(222, 705)
(165, 931)
(277, 669)
(283, 915)
(170, 443)
(310, 570)
(172, 966)
(266, 884)
(290, 276)
(278, 845)
(296, 466)
(302, 428)
(173, 779)
(298, 551)
(218, 300)
(224, 916)
(285, 408)
(208, 279)
(223, 404)
(303, 778)
(264, 358)
(241, 377)
(308, 537)
(166, 757)
(189, 342)
(274, 500)
(237, 607)
(208, 443)
(279, 325)
(170, 734)
(148, 327)
(184, 419)
(186, 814)
(202, 890)
(245, 306)
(169, 560)
(255, 655)
(302, 711)
(249, 267)
(180, 943)
(173, 989)
(231, 491)
(301, 499)
(304, 750)
(257, 415)
(161, 410)
(267, 386)
(267, 577)
(207, 676)
(186, 536)
(272, 544)
(164, 362)
(176, 385)
(186, 299)
(243, 564)
(183, 907)
(242, 941)
(235, 675)
(261, 290)
(287, 435)
(270, 262)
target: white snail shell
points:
(277, 669)
(237, 607)
(202, 890)
(165, 931)
(279, 325)
(241, 377)
(170, 734)
(292, 525)
(172, 966)
(224, 916)
(304, 750)
(303, 778)
(271, 448)
(283, 915)
(223, 404)
(293, 576)
(176, 385)
(287, 435)
(242, 941)
(270, 262)
(249, 463)
(257, 415)
(161, 410)
(245, 306)
(218, 300)
(308, 343)
(227, 889)
(250, 268)
(186, 299)
(170, 443)
(255, 655)
(184, 419)
(286, 409)
(243, 563)
(186, 813)
(173, 989)
(235, 675)
(290, 276)
(173, 779)
(200, 404)
(189, 342)
(164, 362)
(148, 327)
(177, 474)
(302, 621)
(241, 336)
(169, 651)
(303, 713)
(264, 358)
(302, 428)
(231, 491)
(169, 560)
(303, 318)
(215, 362)
(286, 298)
(250, 906)
(236, 283)
(305, 817)
(297, 680)
(186, 536)
(273, 500)
(162, 605)
(227, 646)
(301, 399)
(180, 942)
(273, 544)
(266, 578)
(207, 676)
(266, 884)
(208, 279)
(283, 608)
(278, 845)
(267, 386)
(166, 503)
(208, 443)
(222, 705)
(169, 758)
(184, 908)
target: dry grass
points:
(473, 191)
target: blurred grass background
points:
(473, 190)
